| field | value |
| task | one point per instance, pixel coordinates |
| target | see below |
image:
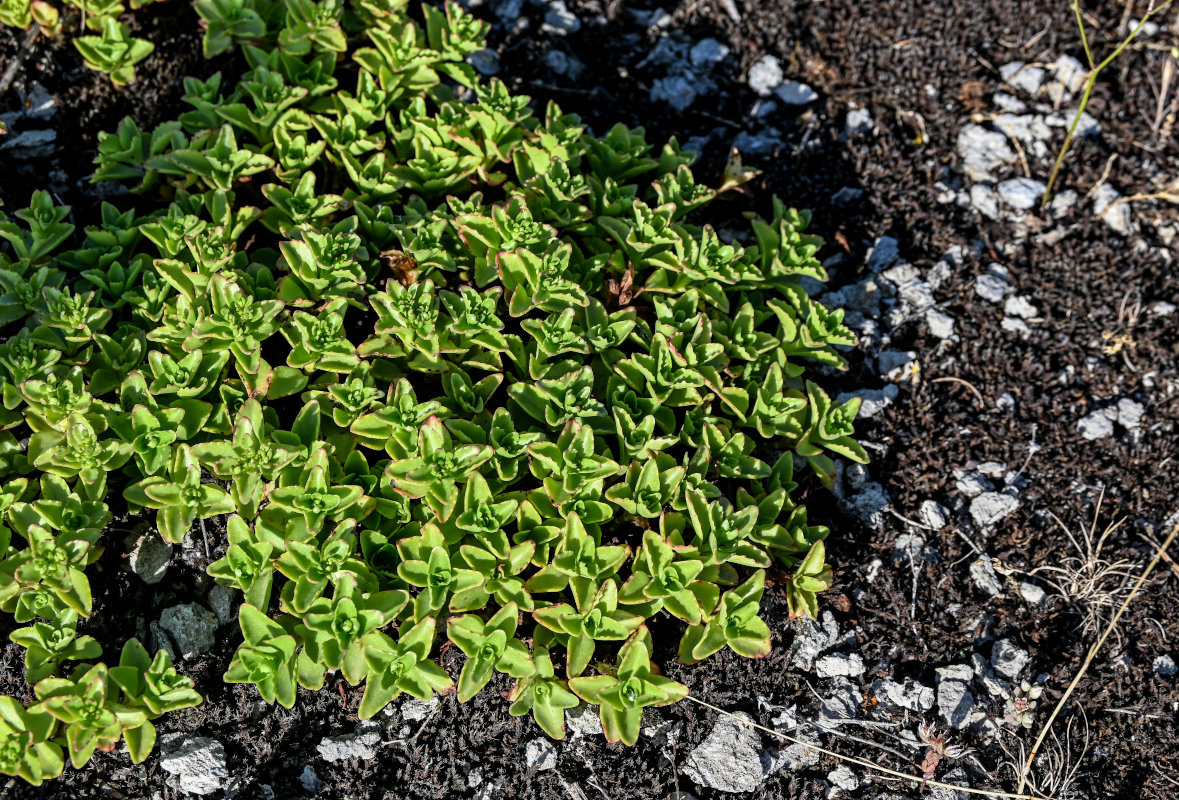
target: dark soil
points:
(918, 68)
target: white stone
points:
(562, 63)
(910, 695)
(839, 665)
(540, 755)
(793, 758)
(872, 401)
(859, 120)
(1020, 306)
(1165, 665)
(415, 710)
(1070, 72)
(1062, 202)
(843, 778)
(896, 365)
(991, 287)
(309, 780)
(932, 514)
(971, 484)
(707, 52)
(983, 152)
(765, 76)
(729, 759)
(811, 639)
(984, 577)
(991, 507)
(1023, 77)
(867, 505)
(1021, 194)
(985, 200)
(1015, 325)
(954, 702)
(361, 744)
(1097, 424)
(796, 93)
(910, 548)
(1032, 593)
(191, 627)
(1130, 413)
(1116, 215)
(198, 763)
(1007, 659)
(1009, 103)
(940, 324)
(149, 556)
(583, 720)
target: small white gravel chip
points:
(583, 720)
(707, 52)
(361, 744)
(991, 287)
(859, 120)
(1021, 194)
(1097, 424)
(540, 755)
(939, 323)
(415, 710)
(1070, 72)
(1032, 593)
(1020, 306)
(198, 763)
(984, 577)
(991, 507)
(933, 514)
(840, 665)
(843, 778)
(149, 556)
(872, 401)
(1008, 659)
(1130, 413)
(1165, 665)
(765, 76)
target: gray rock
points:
(972, 483)
(509, 10)
(1009, 103)
(910, 548)
(1021, 194)
(1015, 325)
(1097, 424)
(1032, 130)
(1007, 659)
(765, 76)
(843, 778)
(932, 514)
(191, 627)
(583, 720)
(1116, 215)
(859, 120)
(840, 665)
(197, 762)
(984, 577)
(983, 152)
(1020, 306)
(415, 710)
(793, 758)
(1130, 413)
(675, 90)
(360, 744)
(841, 704)
(954, 702)
(560, 20)
(1162, 309)
(540, 755)
(729, 759)
(991, 507)
(485, 61)
(985, 200)
(1062, 202)
(883, 254)
(1070, 72)
(563, 64)
(708, 52)
(940, 324)
(1165, 665)
(309, 780)
(29, 144)
(40, 104)
(1023, 77)
(1031, 593)
(796, 93)
(757, 144)
(867, 505)
(148, 556)
(221, 600)
(811, 638)
(991, 287)
(909, 695)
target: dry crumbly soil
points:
(988, 394)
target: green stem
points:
(1084, 36)
(1089, 84)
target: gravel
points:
(1023, 77)
(933, 514)
(583, 720)
(675, 90)
(984, 152)
(1097, 424)
(1130, 413)
(191, 627)
(560, 20)
(415, 710)
(872, 401)
(839, 665)
(1021, 194)
(990, 507)
(148, 556)
(954, 699)
(1020, 306)
(708, 52)
(361, 744)
(940, 324)
(984, 577)
(883, 254)
(909, 695)
(1116, 216)
(1165, 665)
(765, 76)
(796, 93)
(485, 61)
(859, 120)
(729, 759)
(197, 762)
(1007, 659)
(991, 287)
(540, 755)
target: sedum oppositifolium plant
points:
(445, 368)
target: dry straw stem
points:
(1094, 71)
(916, 779)
(1158, 556)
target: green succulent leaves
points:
(445, 370)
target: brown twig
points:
(19, 58)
